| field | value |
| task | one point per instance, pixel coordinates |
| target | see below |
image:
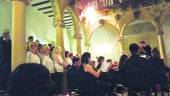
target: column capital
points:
(160, 32)
(121, 38)
(27, 2)
(58, 23)
(87, 43)
(78, 36)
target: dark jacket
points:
(135, 73)
(157, 66)
(135, 62)
(1, 52)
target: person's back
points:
(136, 72)
(157, 65)
(136, 62)
(158, 70)
(29, 80)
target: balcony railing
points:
(124, 4)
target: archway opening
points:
(140, 30)
(104, 42)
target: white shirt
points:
(32, 58)
(104, 67)
(58, 67)
(48, 63)
(69, 61)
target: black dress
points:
(88, 85)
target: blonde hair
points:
(57, 49)
(31, 44)
(44, 48)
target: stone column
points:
(161, 44)
(78, 41)
(59, 35)
(18, 33)
(121, 43)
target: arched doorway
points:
(104, 42)
(139, 30)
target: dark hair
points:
(148, 50)
(66, 53)
(143, 42)
(155, 52)
(123, 59)
(29, 79)
(30, 37)
(109, 60)
(75, 59)
(85, 58)
(133, 48)
(71, 54)
(100, 59)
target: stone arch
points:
(133, 20)
(105, 23)
(104, 42)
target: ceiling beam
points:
(48, 7)
(66, 16)
(50, 15)
(48, 12)
(68, 25)
(67, 20)
(40, 3)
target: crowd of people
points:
(48, 73)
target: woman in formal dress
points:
(89, 84)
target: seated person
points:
(89, 84)
(76, 64)
(114, 66)
(100, 65)
(29, 80)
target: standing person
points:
(68, 59)
(158, 70)
(122, 60)
(105, 66)
(5, 57)
(47, 61)
(142, 52)
(32, 55)
(100, 61)
(58, 60)
(30, 40)
(59, 68)
(136, 71)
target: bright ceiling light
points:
(91, 14)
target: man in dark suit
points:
(5, 63)
(136, 71)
